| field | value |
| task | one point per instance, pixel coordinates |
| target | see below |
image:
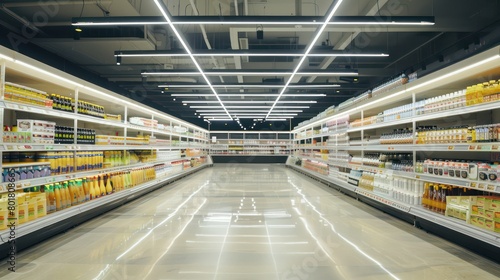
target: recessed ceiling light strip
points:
(250, 86)
(249, 102)
(259, 72)
(309, 48)
(248, 107)
(253, 52)
(249, 95)
(253, 20)
(262, 116)
(163, 9)
(235, 112)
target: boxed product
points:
(38, 131)
(144, 122)
(3, 214)
(459, 207)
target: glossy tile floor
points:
(248, 222)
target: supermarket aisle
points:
(248, 222)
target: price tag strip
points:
(383, 200)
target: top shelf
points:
(466, 71)
(35, 74)
(67, 115)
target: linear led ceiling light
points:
(163, 9)
(262, 116)
(248, 107)
(252, 72)
(248, 111)
(244, 52)
(249, 95)
(309, 48)
(250, 86)
(248, 102)
(254, 20)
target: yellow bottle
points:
(72, 192)
(97, 190)
(86, 188)
(102, 187)
(92, 193)
(58, 196)
(67, 194)
(109, 188)
(124, 180)
(51, 198)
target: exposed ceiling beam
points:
(346, 40)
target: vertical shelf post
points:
(125, 118)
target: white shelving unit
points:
(243, 143)
(186, 145)
(328, 147)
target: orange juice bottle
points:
(109, 188)
(92, 193)
(72, 192)
(124, 180)
(102, 187)
(97, 191)
(51, 198)
(114, 185)
(86, 188)
(58, 196)
(65, 194)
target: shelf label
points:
(481, 186)
(494, 147)
(472, 148)
(490, 187)
(383, 200)
(451, 148)
(484, 148)
(10, 147)
(26, 147)
(49, 147)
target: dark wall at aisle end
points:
(249, 159)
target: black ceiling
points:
(43, 31)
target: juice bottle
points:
(435, 198)
(113, 177)
(59, 196)
(425, 195)
(444, 192)
(102, 187)
(92, 193)
(109, 189)
(97, 190)
(72, 192)
(51, 198)
(86, 188)
(65, 194)
(79, 189)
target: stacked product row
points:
(26, 95)
(37, 201)
(32, 165)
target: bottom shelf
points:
(484, 242)
(42, 228)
